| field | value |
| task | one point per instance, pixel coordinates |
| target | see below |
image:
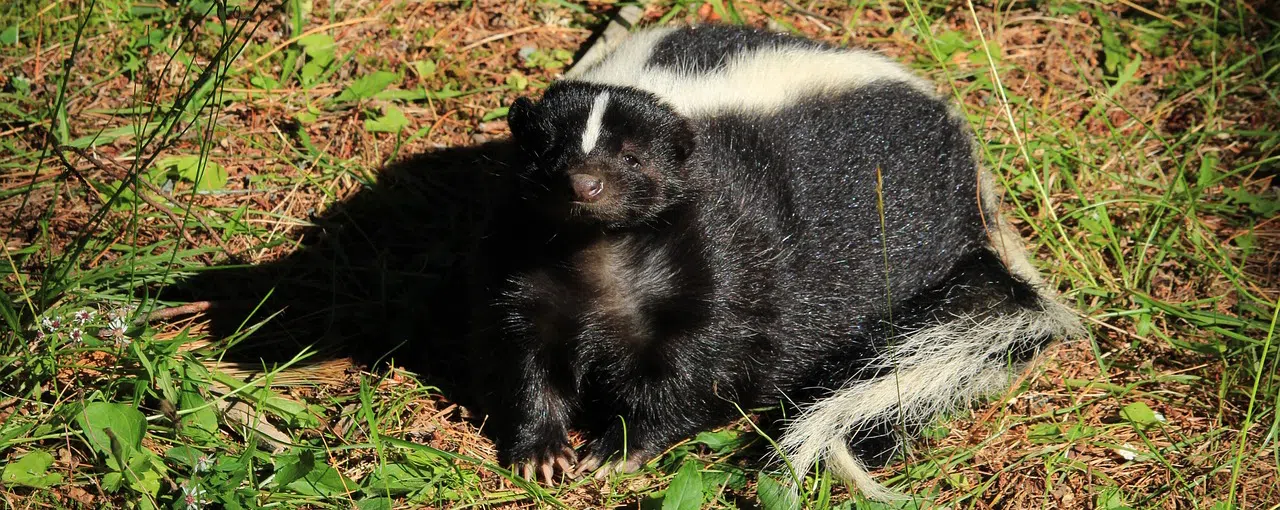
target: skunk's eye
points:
(631, 161)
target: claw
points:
(608, 470)
(564, 465)
(630, 465)
(546, 472)
(544, 466)
(589, 464)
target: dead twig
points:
(71, 169)
(145, 198)
(811, 14)
(94, 160)
(497, 37)
(174, 311)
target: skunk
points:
(719, 218)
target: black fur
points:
(762, 282)
(705, 48)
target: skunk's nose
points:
(587, 187)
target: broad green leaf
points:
(202, 424)
(685, 491)
(518, 82)
(318, 46)
(979, 55)
(1140, 414)
(211, 177)
(184, 455)
(1114, 51)
(151, 38)
(554, 60)
(124, 202)
(391, 121)
(1045, 433)
(374, 504)
(718, 441)
(1111, 499)
(1078, 432)
(366, 86)
(319, 49)
(303, 474)
(9, 35)
(1259, 204)
(112, 481)
(1144, 324)
(773, 495)
(145, 472)
(101, 421)
(424, 68)
(32, 470)
(397, 479)
(293, 466)
(950, 42)
(1208, 173)
(324, 481)
(1246, 242)
(716, 479)
(410, 95)
(264, 82)
(310, 72)
(1128, 74)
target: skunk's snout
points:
(587, 188)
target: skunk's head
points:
(610, 155)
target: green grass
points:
(149, 144)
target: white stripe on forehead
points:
(592, 132)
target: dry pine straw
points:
(492, 32)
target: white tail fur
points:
(934, 370)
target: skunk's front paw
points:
(544, 457)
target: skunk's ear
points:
(524, 117)
(683, 140)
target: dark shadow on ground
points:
(381, 277)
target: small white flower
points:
(1128, 451)
(82, 317)
(121, 312)
(77, 335)
(51, 323)
(1159, 417)
(193, 497)
(204, 463)
(40, 336)
(120, 340)
(117, 324)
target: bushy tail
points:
(959, 341)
